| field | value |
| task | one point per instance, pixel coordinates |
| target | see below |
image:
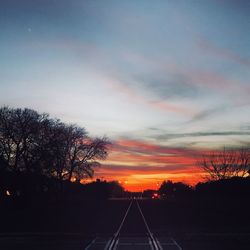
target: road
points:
(96, 224)
(134, 234)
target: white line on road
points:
(155, 244)
(114, 241)
(179, 247)
(90, 244)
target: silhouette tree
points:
(103, 189)
(115, 189)
(226, 164)
(169, 189)
(76, 154)
(235, 186)
(19, 134)
(34, 143)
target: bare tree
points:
(82, 152)
(19, 131)
(226, 163)
(32, 142)
(85, 156)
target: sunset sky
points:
(164, 80)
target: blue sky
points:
(170, 73)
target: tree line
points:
(225, 171)
(34, 144)
(230, 188)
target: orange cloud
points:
(140, 165)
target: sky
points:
(164, 80)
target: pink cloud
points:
(224, 53)
(130, 93)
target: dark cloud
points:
(154, 129)
(201, 134)
(167, 86)
(137, 147)
(207, 113)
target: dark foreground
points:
(221, 224)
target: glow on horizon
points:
(138, 165)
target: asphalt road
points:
(132, 233)
(134, 225)
(74, 227)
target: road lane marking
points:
(155, 244)
(179, 247)
(114, 241)
(90, 244)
